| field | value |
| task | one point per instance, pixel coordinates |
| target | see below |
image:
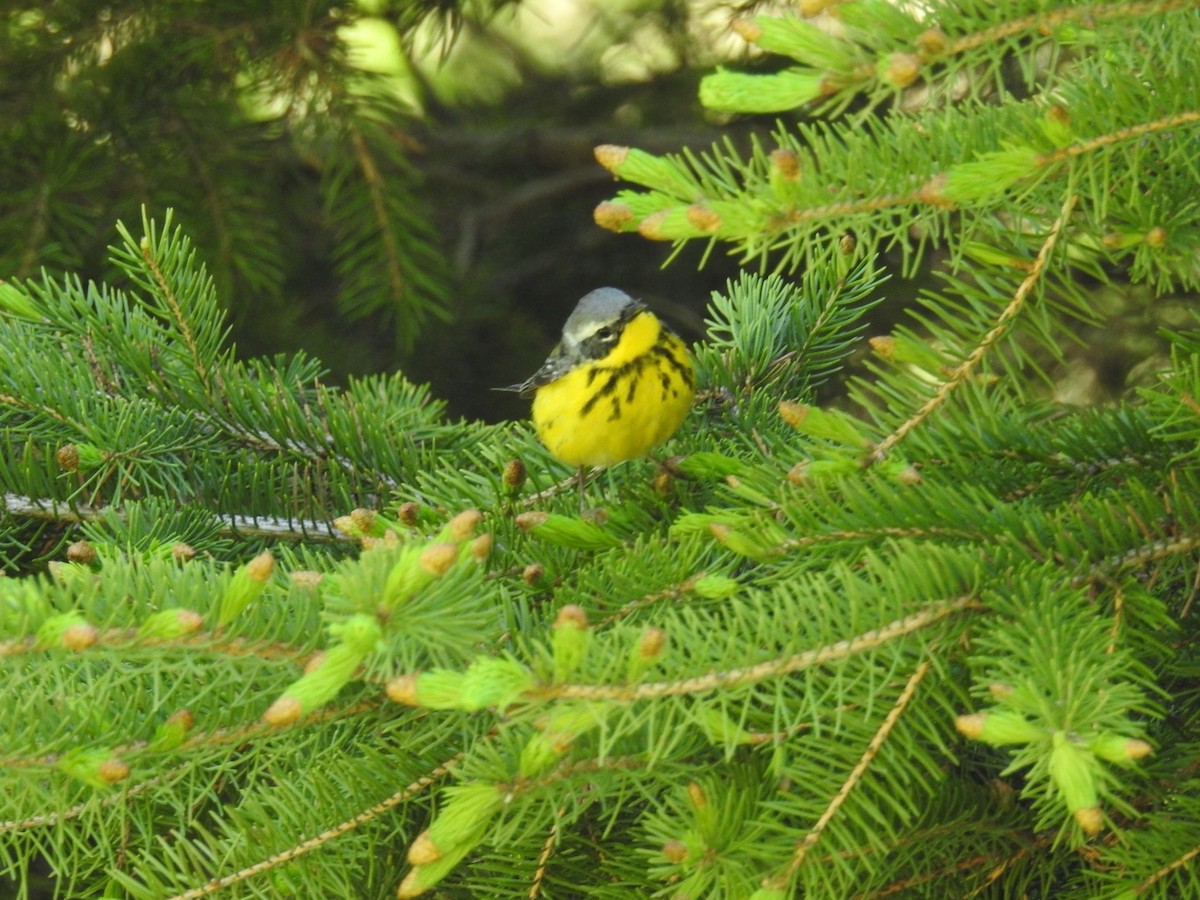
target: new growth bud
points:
(884, 346)
(260, 568)
(403, 689)
(645, 654)
(365, 520)
(570, 641)
(437, 559)
(1119, 749)
(81, 552)
(715, 587)
(457, 829)
(306, 579)
(173, 732)
(79, 637)
(611, 156)
(423, 851)
(247, 585)
(646, 169)
(67, 631)
(999, 727)
(613, 216)
(792, 413)
(776, 92)
(651, 644)
(565, 531)
(702, 218)
(113, 770)
(182, 552)
(675, 851)
(1072, 770)
(67, 457)
(786, 163)
(900, 69)
(99, 767)
(830, 424)
(462, 526)
(359, 635)
(932, 42)
(515, 475)
(480, 548)
(1090, 820)
(170, 624)
(284, 711)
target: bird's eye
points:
(604, 333)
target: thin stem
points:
(773, 668)
(367, 815)
(962, 372)
(856, 774)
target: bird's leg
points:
(669, 466)
(582, 482)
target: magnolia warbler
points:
(618, 384)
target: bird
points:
(619, 383)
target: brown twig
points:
(962, 372)
(773, 668)
(367, 815)
(810, 840)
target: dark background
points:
(481, 116)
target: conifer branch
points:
(210, 642)
(167, 293)
(1139, 557)
(1179, 862)
(962, 372)
(571, 481)
(58, 816)
(543, 862)
(770, 669)
(570, 769)
(367, 815)
(1189, 117)
(20, 403)
(383, 221)
(619, 661)
(1118, 603)
(810, 840)
(867, 534)
(1046, 22)
(269, 527)
(673, 592)
(931, 193)
(997, 870)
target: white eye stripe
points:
(604, 331)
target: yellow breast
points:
(620, 407)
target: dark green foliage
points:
(218, 111)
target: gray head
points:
(597, 320)
(592, 329)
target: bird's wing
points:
(552, 369)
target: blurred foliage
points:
(356, 174)
(396, 184)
